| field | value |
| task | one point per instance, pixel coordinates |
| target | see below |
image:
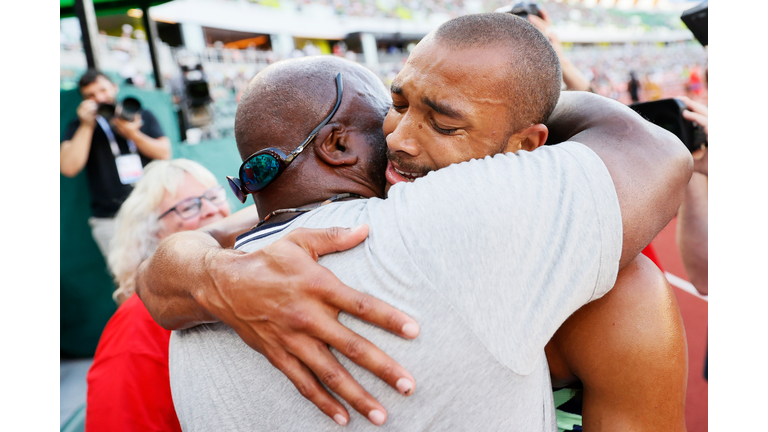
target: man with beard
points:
(462, 233)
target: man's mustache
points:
(406, 165)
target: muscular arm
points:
(650, 167)
(629, 351)
(692, 237)
(165, 282)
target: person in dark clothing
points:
(113, 152)
(634, 87)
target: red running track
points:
(694, 310)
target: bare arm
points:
(649, 166)
(572, 76)
(281, 303)
(629, 351)
(692, 219)
(692, 234)
(73, 153)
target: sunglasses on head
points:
(263, 167)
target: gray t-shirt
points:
(489, 256)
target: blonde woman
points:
(128, 385)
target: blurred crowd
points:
(562, 13)
(662, 70)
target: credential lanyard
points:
(111, 137)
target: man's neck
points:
(280, 213)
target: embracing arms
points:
(281, 303)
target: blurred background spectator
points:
(128, 384)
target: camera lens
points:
(129, 108)
(105, 110)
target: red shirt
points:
(651, 253)
(128, 384)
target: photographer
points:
(113, 151)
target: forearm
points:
(692, 232)
(171, 282)
(225, 231)
(573, 78)
(153, 148)
(649, 166)
(74, 153)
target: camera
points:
(695, 19)
(522, 9)
(127, 109)
(668, 114)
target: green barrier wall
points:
(221, 158)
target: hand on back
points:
(285, 306)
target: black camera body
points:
(668, 114)
(695, 19)
(127, 109)
(522, 9)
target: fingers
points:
(368, 308)
(545, 15)
(327, 368)
(698, 118)
(694, 106)
(324, 241)
(306, 383)
(539, 23)
(365, 354)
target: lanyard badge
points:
(129, 166)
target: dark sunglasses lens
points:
(234, 184)
(259, 171)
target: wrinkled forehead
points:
(472, 77)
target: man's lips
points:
(396, 175)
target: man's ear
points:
(528, 139)
(332, 149)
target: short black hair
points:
(286, 100)
(534, 75)
(89, 77)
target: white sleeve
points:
(515, 242)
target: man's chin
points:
(387, 185)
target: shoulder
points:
(638, 320)
(628, 349)
(147, 114)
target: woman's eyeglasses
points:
(190, 207)
(264, 166)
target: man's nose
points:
(403, 139)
